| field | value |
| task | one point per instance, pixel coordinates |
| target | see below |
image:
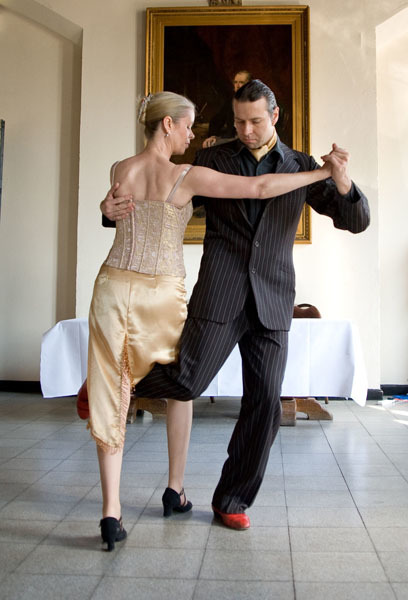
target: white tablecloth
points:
(325, 359)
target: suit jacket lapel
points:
(227, 162)
(289, 164)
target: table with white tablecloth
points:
(324, 360)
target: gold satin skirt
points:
(135, 320)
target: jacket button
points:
(257, 244)
(253, 270)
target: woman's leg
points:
(110, 467)
(179, 419)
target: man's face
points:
(240, 79)
(254, 125)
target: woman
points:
(138, 306)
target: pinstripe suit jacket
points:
(238, 257)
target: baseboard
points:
(395, 389)
(22, 387)
(35, 387)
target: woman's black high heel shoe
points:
(112, 531)
(172, 501)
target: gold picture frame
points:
(196, 51)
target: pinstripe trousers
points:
(204, 347)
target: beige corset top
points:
(150, 239)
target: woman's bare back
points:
(146, 177)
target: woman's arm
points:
(201, 181)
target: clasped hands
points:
(338, 160)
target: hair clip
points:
(143, 106)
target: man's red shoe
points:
(82, 402)
(233, 520)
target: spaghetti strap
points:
(113, 171)
(178, 182)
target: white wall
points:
(38, 100)
(392, 84)
(338, 272)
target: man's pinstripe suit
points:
(245, 294)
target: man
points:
(246, 288)
(221, 128)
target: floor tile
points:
(200, 515)
(324, 517)
(389, 539)
(332, 511)
(395, 565)
(120, 588)
(256, 538)
(344, 591)
(40, 492)
(362, 470)
(8, 491)
(319, 499)
(134, 468)
(76, 478)
(168, 535)
(381, 498)
(384, 517)
(48, 587)
(74, 560)
(20, 476)
(12, 555)
(145, 562)
(17, 531)
(401, 590)
(235, 565)
(338, 567)
(271, 498)
(319, 460)
(330, 539)
(272, 482)
(312, 470)
(76, 534)
(377, 483)
(335, 483)
(137, 497)
(46, 453)
(41, 511)
(9, 452)
(30, 464)
(91, 510)
(275, 516)
(198, 496)
(244, 590)
(9, 438)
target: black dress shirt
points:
(250, 167)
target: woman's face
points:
(182, 133)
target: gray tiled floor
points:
(330, 521)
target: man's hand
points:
(209, 141)
(116, 209)
(326, 169)
(338, 159)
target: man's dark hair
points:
(255, 90)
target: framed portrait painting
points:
(197, 51)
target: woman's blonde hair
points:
(154, 107)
